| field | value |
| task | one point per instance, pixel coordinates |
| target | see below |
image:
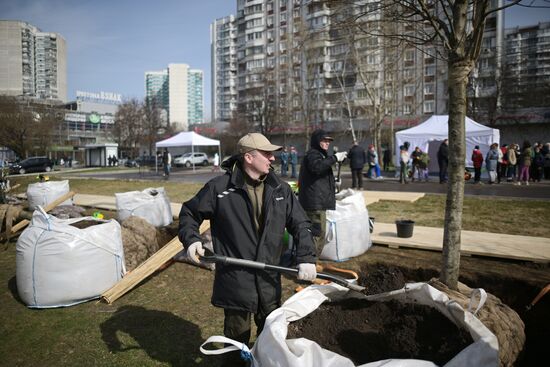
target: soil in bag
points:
(366, 331)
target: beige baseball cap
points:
(256, 141)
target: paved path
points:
(537, 191)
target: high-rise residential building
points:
(299, 65)
(32, 63)
(178, 90)
(156, 89)
(223, 37)
(195, 104)
(526, 81)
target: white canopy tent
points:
(429, 135)
(188, 138)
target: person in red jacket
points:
(477, 159)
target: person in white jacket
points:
(403, 163)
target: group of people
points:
(357, 157)
(289, 158)
(249, 208)
(415, 164)
(513, 163)
(112, 161)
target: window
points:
(409, 55)
(408, 90)
(407, 109)
(429, 88)
(429, 70)
(429, 107)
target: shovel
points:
(280, 269)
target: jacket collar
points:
(237, 177)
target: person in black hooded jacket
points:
(249, 208)
(316, 184)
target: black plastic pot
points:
(404, 228)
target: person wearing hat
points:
(316, 183)
(248, 208)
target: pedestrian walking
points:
(403, 163)
(284, 162)
(477, 160)
(216, 163)
(491, 160)
(166, 163)
(386, 159)
(526, 159)
(357, 159)
(249, 208)
(293, 158)
(443, 160)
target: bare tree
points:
(456, 28)
(26, 127)
(128, 125)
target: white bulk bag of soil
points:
(347, 232)
(61, 265)
(273, 349)
(151, 204)
(43, 193)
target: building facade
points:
(223, 38)
(178, 90)
(195, 104)
(299, 64)
(33, 63)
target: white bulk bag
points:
(43, 193)
(62, 265)
(151, 204)
(273, 349)
(347, 232)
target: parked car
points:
(32, 164)
(188, 159)
(143, 161)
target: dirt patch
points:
(139, 239)
(371, 331)
(514, 283)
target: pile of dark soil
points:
(371, 331)
(85, 223)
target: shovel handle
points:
(280, 269)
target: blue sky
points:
(110, 44)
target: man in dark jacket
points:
(316, 183)
(443, 160)
(248, 208)
(357, 159)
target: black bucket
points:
(404, 228)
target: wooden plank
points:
(499, 245)
(147, 268)
(393, 195)
(22, 224)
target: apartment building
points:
(178, 91)
(33, 63)
(526, 81)
(223, 38)
(299, 66)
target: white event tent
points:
(429, 135)
(186, 139)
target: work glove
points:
(340, 156)
(307, 271)
(194, 250)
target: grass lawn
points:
(164, 320)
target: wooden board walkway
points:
(536, 249)
(372, 196)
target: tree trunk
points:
(458, 78)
